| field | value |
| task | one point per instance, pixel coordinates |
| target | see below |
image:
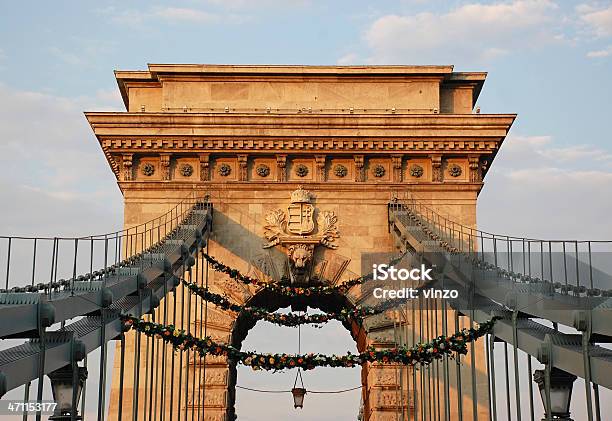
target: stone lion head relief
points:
(300, 261)
(299, 233)
(300, 255)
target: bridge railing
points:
(553, 298)
(576, 267)
(56, 309)
(52, 264)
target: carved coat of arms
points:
(300, 214)
(299, 230)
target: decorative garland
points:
(290, 290)
(422, 353)
(290, 319)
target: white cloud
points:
(606, 52)
(538, 189)
(172, 15)
(598, 20)
(575, 153)
(53, 170)
(470, 32)
(541, 151)
(106, 100)
(66, 56)
(177, 14)
(348, 59)
(128, 17)
(250, 4)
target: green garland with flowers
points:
(284, 289)
(290, 319)
(422, 353)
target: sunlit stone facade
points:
(248, 136)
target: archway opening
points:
(270, 397)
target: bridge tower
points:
(353, 137)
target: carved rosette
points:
(360, 168)
(340, 170)
(148, 169)
(467, 168)
(301, 170)
(262, 170)
(281, 163)
(378, 171)
(455, 170)
(127, 166)
(436, 168)
(416, 171)
(224, 170)
(186, 170)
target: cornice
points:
(267, 69)
(300, 125)
(182, 145)
(301, 78)
(283, 186)
(191, 134)
(299, 117)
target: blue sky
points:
(537, 52)
(549, 61)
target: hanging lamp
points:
(298, 392)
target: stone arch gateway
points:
(250, 137)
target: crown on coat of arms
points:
(301, 196)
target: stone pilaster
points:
(210, 396)
(164, 160)
(359, 168)
(397, 168)
(474, 165)
(320, 166)
(281, 162)
(204, 167)
(385, 397)
(126, 160)
(436, 168)
(243, 161)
